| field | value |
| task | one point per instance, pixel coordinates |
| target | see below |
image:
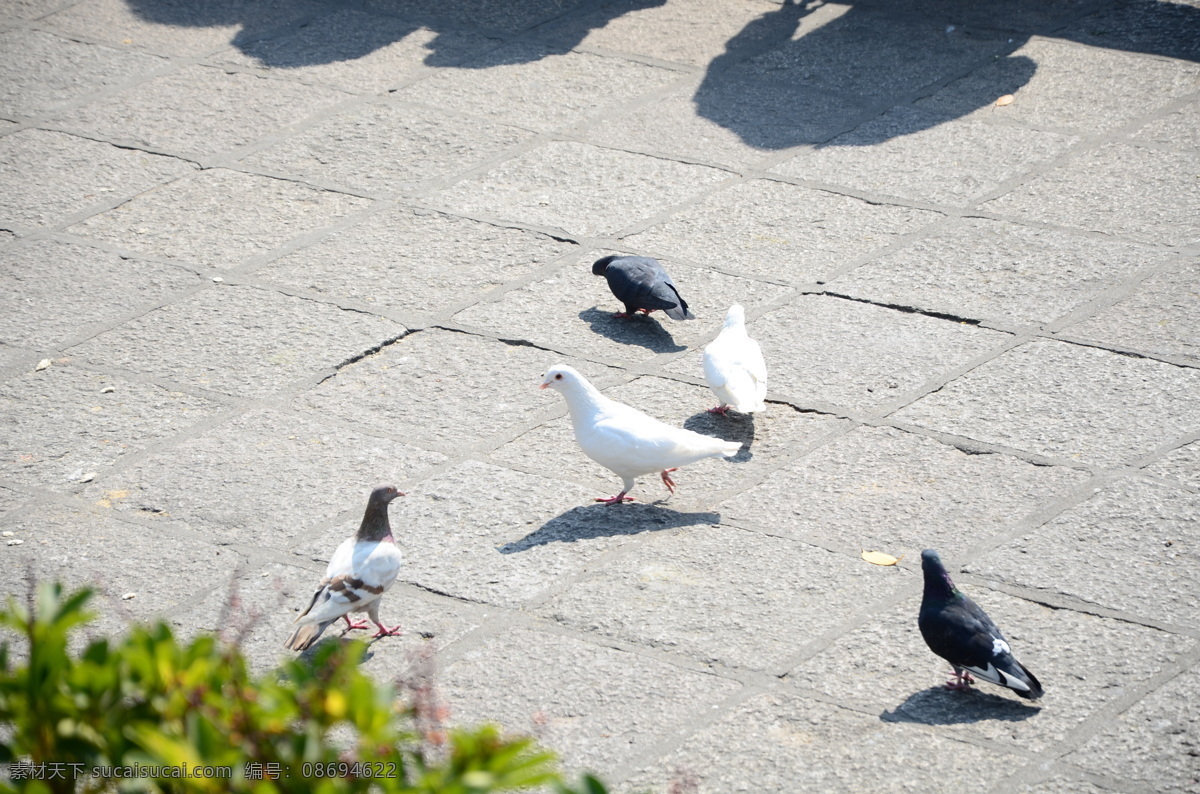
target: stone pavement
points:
(278, 252)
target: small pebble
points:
(15, 542)
(218, 280)
(108, 390)
(91, 475)
(43, 364)
(8, 533)
(128, 596)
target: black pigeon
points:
(956, 629)
(642, 285)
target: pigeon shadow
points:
(600, 521)
(940, 706)
(730, 427)
(640, 329)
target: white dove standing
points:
(734, 367)
(362, 568)
(627, 441)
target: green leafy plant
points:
(190, 717)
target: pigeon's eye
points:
(558, 376)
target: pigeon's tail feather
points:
(304, 636)
(680, 312)
(730, 448)
(1035, 690)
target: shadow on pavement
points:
(731, 427)
(598, 521)
(799, 73)
(940, 706)
(642, 330)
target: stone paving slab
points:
(428, 386)
(1162, 317)
(880, 489)
(1154, 742)
(1051, 399)
(41, 71)
(896, 154)
(331, 49)
(256, 214)
(620, 189)
(249, 458)
(527, 85)
(156, 570)
(176, 27)
(413, 261)
(200, 111)
(996, 271)
(858, 356)
(314, 246)
(1113, 199)
(604, 704)
(93, 289)
(694, 33)
(868, 54)
(1150, 536)
(776, 231)
(1182, 464)
(885, 667)
(768, 743)
(722, 596)
(66, 424)
(387, 149)
(92, 176)
(701, 122)
(293, 341)
(1059, 85)
(1173, 131)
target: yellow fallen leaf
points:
(1007, 99)
(879, 558)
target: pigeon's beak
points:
(545, 383)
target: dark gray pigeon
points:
(642, 285)
(956, 629)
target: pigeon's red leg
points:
(666, 478)
(384, 631)
(960, 681)
(362, 625)
(723, 410)
(615, 500)
(646, 311)
(622, 315)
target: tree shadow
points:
(941, 706)
(802, 73)
(785, 80)
(641, 329)
(292, 35)
(598, 521)
(730, 427)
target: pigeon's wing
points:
(357, 575)
(964, 635)
(734, 368)
(755, 363)
(666, 290)
(630, 442)
(641, 283)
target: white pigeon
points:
(627, 441)
(362, 568)
(734, 367)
